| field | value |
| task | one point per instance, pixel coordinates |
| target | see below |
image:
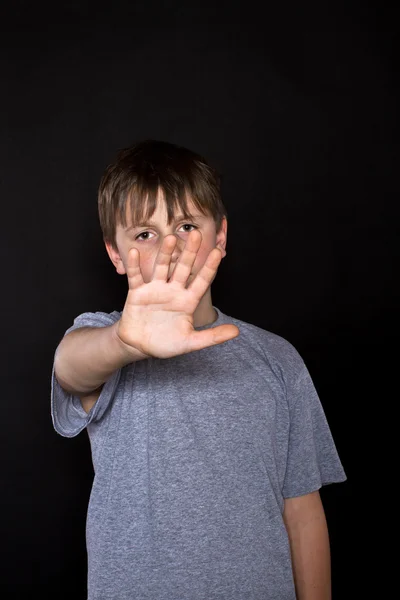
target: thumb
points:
(211, 337)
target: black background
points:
(296, 106)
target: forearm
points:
(309, 544)
(87, 357)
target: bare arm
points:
(88, 356)
(157, 321)
(305, 522)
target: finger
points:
(211, 337)
(206, 275)
(133, 271)
(163, 260)
(186, 260)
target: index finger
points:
(205, 276)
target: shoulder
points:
(95, 319)
(279, 353)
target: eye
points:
(187, 225)
(143, 236)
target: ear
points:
(222, 236)
(115, 258)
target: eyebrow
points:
(153, 224)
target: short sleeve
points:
(69, 417)
(312, 458)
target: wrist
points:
(126, 352)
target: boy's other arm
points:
(87, 357)
(306, 525)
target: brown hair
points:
(141, 171)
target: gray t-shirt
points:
(193, 458)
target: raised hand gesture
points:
(158, 316)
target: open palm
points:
(157, 318)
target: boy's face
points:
(148, 237)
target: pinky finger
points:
(133, 272)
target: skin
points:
(306, 525)
(169, 269)
(158, 263)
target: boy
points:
(209, 442)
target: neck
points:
(205, 313)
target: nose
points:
(180, 244)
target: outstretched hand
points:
(158, 316)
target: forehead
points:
(144, 211)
